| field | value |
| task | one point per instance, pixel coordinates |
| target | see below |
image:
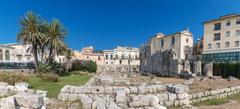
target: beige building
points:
(167, 55)
(221, 39)
(6, 53)
(21, 53)
(181, 42)
(88, 53)
(122, 56)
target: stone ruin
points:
(20, 97)
(166, 64)
(148, 96)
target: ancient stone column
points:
(187, 66)
(208, 69)
(197, 67)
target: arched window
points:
(1, 54)
(7, 55)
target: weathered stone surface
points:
(4, 91)
(143, 100)
(86, 101)
(99, 103)
(182, 96)
(19, 87)
(121, 97)
(7, 103)
(112, 105)
(208, 69)
(29, 100)
(177, 88)
(172, 96)
(162, 97)
(133, 90)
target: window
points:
(162, 43)
(173, 40)
(7, 55)
(227, 34)
(228, 23)
(111, 56)
(217, 36)
(237, 32)
(106, 56)
(209, 46)
(187, 40)
(236, 43)
(217, 45)
(87, 57)
(226, 44)
(238, 21)
(1, 54)
(99, 58)
(217, 26)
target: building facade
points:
(165, 54)
(6, 53)
(88, 53)
(122, 56)
(221, 39)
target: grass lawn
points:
(54, 88)
(211, 102)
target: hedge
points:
(226, 69)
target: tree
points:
(56, 34)
(68, 65)
(30, 33)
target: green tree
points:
(30, 33)
(56, 34)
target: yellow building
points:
(221, 39)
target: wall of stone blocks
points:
(154, 95)
(218, 93)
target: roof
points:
(5, 46)
(223, 17)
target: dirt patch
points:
(211, 84)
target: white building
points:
(122, 56)
(6, 53)
(20, 53)
(221, 39)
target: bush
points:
(49, 77)
(12, 78)
(84, 65)
(226, 69)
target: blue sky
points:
(108, 23)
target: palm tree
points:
(30, 33)
(68, 54)
(56, 34)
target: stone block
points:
(29, 100)
(182, 96)
(172, 96)
(133, 90)
(162, 97)
(23, 86)
(143, 100)
(7, 103)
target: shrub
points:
(49, 77)
(84, 65)
(226, 69)
(12, 78)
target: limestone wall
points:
(144, 96)
(218, 93)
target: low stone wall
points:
(143, 96)
(218, 93)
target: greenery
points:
(12, 78)
(54, 88)
(84, 65)
(227, 69)
(45, 37)
(213, 101)
(49, 77)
